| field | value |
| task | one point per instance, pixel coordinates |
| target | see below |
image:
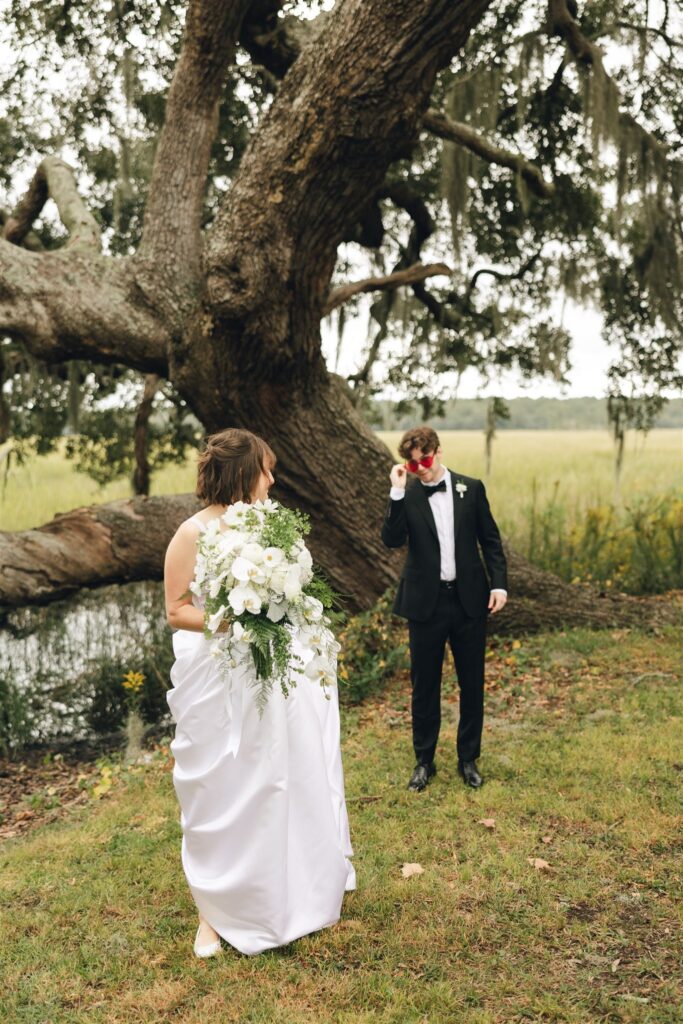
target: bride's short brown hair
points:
(230, 465)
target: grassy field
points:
(575, 467)
(548, 896)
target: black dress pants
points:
(467, 639)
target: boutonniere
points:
(461, 488)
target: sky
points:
(590, 359)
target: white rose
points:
(253, 552)
(230, 540)
(304, 559)
(293, 583)
(277, 580)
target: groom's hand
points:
(398, 476)
(497, 601)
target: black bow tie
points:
(437, 487)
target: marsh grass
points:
(573, 467)
(583, 770)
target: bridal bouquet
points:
(255, 577)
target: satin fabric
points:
(266, 843)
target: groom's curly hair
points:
(424, 438)
(230, 466)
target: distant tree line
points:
(525, 414)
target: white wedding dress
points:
(266, 842)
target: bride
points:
(265, 844)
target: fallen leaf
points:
(615, 964)
(408, 870)
(487, 822)
(539, 863)
(546, 839)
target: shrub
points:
(373, 647)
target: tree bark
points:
(125, 540)
(141, 473)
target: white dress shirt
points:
(441, 505)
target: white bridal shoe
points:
(212, 949)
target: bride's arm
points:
(178, 574)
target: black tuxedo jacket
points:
(410, 519)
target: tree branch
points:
(266, 39)
(562, 24)
(455, 131)
(643, 30)
(89, 547)
(171, 237)
(446, 317)
(399, 278)
(127, 540)
(30, 240)
(71, 305)
(55, 180)
(501, 275)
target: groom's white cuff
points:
(396, 493)
(499, 590)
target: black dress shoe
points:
(470, 775)
(422, 773)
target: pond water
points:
(62, 666)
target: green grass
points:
(574, 466)
(582, 749)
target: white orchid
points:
(321, 670)
(245, 570)
(214, 621)
(313, 609)
(244, 599)
(273, 557)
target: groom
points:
(443, 592)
